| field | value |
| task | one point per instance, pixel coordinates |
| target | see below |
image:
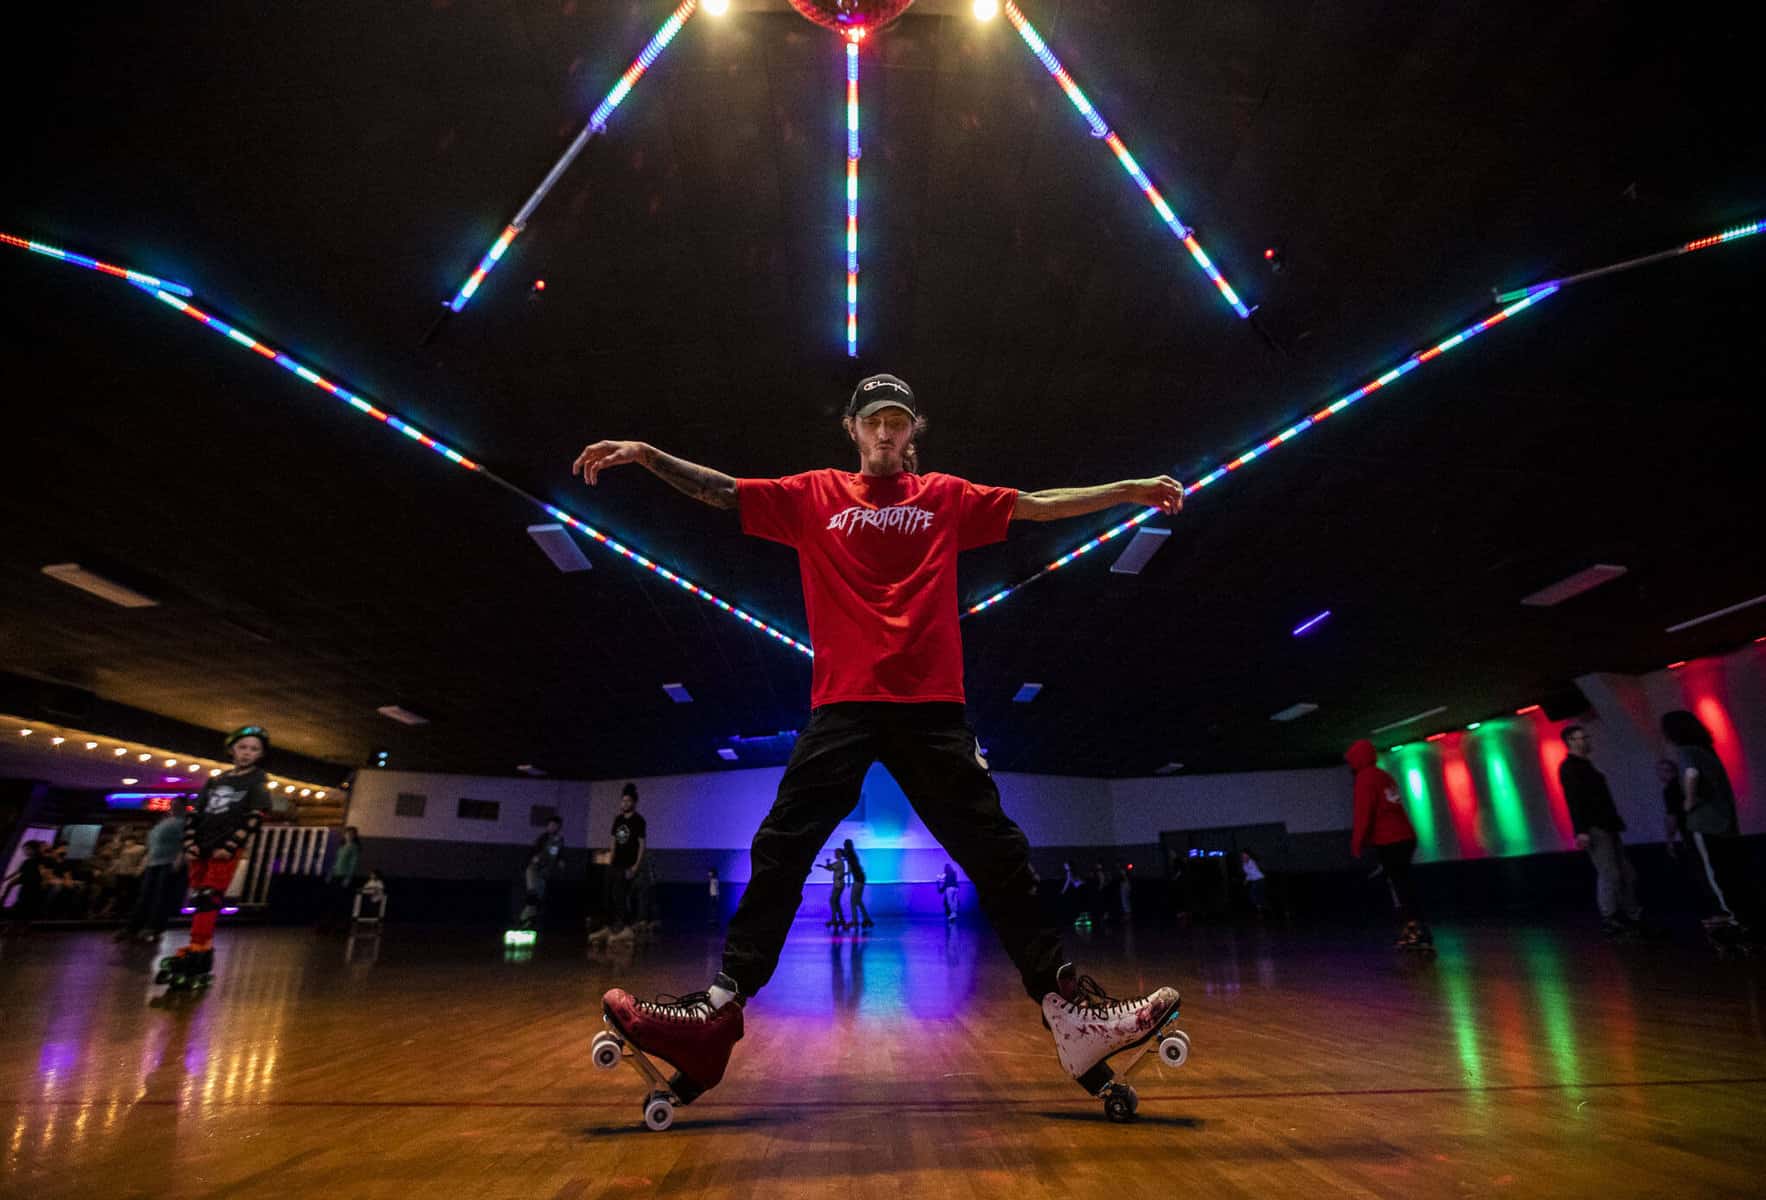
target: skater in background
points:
(1072, 896)
(217, 828)
(1598, 827)
(1380, 822)
(547, 857)
(340, 882)
(28, 879)
(712, 905)
(837, 867)
(1708, 801)
(1103, 894)
(628, 834)
(855, 871)
(947, 891)
(1254, 881)
(162, 881)
(1125, 892)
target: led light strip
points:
(1258, 451)
(597, 124)
(1704, 243)
(417, 435)
(852, 197)
(92, 264)
(1102, 130)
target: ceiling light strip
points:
(1258, 451)
(1733, 234)
(1100, 129)
(852, 154)
(93, 264)
(355, 401)
(597, 124)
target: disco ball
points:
(843, 16)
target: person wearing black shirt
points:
(628, 858)
(217, 827)
(1598, 825)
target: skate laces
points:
(1087, 994)
(694, 1006)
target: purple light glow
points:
(1311, 623)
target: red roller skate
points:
(686, 1032)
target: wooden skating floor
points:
(1522, 1061)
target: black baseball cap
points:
(881, 391)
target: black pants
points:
(931, 752)
(1395, 858)
(161, 887)
(616, 896)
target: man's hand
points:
(598, 457)
(1163, 493)
(1582, 841)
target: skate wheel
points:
(659, 1112)
(1174, 1051)
(606, 1051)
(1120, 1102)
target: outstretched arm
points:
(1054, 504)
(690, 479)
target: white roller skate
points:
(1090, 1026)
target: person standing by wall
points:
(628, 834)
(546, 859)
(1598, 828)
(340, 882)
(947, 891)
(162, 879)
(1254, 881)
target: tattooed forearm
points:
(690, 479)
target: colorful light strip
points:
(1287, 435)
(1704, 243)
(93, 264)
(597, 124)
(257, 346)
(1102, 130)
(852, 198)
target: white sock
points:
(721, 996)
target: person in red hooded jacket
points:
(1380, 821)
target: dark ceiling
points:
(325, 174)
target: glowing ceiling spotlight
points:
(1705, 243)
(985, 10)
(92, 264)
(852, 153)
(1100, 129)
(717, 8)
(597, 124)
(1287, 435)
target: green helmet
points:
(245, 731)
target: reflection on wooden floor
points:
(1521, 1061)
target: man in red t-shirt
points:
(877, 551)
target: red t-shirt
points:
(878, 556)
